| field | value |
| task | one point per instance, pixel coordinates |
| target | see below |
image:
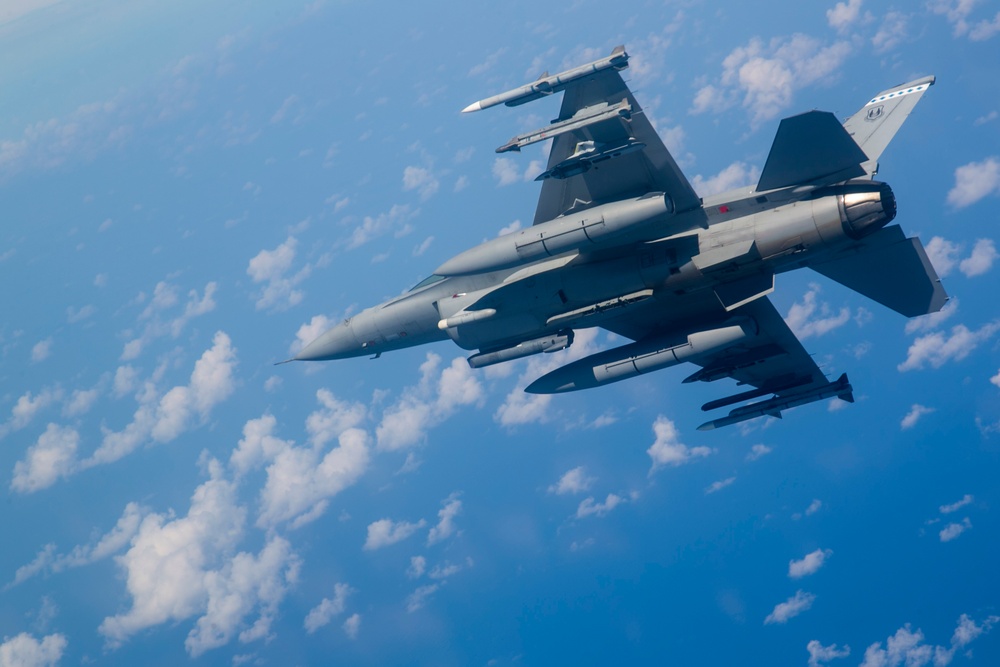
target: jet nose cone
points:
(337, 343)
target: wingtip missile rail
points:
(547, 85)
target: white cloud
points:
(165, 298)
(573, 481)
(943, 255)
(510, 229)
(809, 318)
(163, 419)
(967, 499)
(996, 379)
(177, 568)
(445, 527)
(758, 451)
(352, 626)
(719, 485)
(937, 349)
(424, 245)
(27, 407)
(420, 179)
(419, 597)
(814, 507)
(907, 647)
(505, 171)
(809, 563)
(270, 268)
(24, 650)
(736, 175)
(52, 456)
(913, 416)
(957, 12)
(843, 14)
(766, 76)
(981, 259)
(418, 565)
(80, 402)
(41, 350)
(932, 320)
(434, 399)
(819, 654)
(668, 450)
(590, 507)
(894, 28)
(310, 331)
(520, 408)
(790, 608)
(301, 480)
(953, 530)
(385, 532)
(974, 181)
(394, 220)
(324, 612)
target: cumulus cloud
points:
(758, 451)
(819, 654)
(573, 481)
(938, 348)
(438, 395)
(894, 27)
(957, 12)
(719, 485)
(765, 77)
(790, 608)
(736, 175)
(974, 181)
(52, 456)
(981, 259)
(177, 568)
(932, 321)
(843, 14)
(352, 626)
(385, 532)
(107, 545)
(943, 255)
(164, 418)
(270, 268)
(420, 179)
(506, 172)
(28, 406)
(914, 415)
(809, 318)
(310, 331)
(156, 324)
(419, 597)
(394, 220)
(668, 450)
(24, 650)
(302, 479)
(809, 564)
(41, 350)
(324, 612)
(953, 530)
(967, 499)
(520, 408)
(590, 507)
(445, 527)
(907, 647)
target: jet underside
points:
(622, 242)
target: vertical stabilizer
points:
(874, 126)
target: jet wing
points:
(629, 158)
(771, 362)
(604, 147)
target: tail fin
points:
(874, 126)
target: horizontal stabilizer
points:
(810, 147)
(891, 269)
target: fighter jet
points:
(621, 241)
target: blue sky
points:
(190, 192)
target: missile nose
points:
(337, 343)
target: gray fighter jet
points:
(621, 241)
